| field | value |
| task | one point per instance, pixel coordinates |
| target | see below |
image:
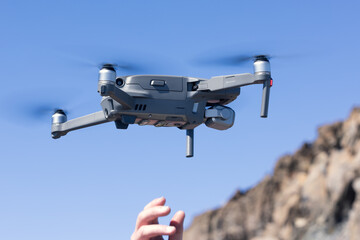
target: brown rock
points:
(312, 194)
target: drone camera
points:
(219, 117)
(120, 82)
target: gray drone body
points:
(168, 101)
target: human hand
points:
(148, 227)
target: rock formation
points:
(312, 194)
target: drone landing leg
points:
(189, 143)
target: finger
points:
(178, 222)
(147, 216)
(149, 231)
(156, 202)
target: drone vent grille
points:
(140, 107)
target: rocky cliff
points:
(312, 194)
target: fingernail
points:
(182, 212)
(171, 229)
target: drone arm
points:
(240, 80)
(229, 81)
(265, 98)
(108, 88)
(59, 129)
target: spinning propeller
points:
(38, 111)
(233, 60)
(128, 68)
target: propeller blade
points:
(93, 59)
(121, 66)
(40, 111)
(232, 60)
(36, 109)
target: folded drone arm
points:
(240, 80)
(61, 129)
(229, 81)
(108, 88)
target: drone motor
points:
(261, 65)
(107, 73)
(59, 117)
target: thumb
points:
(178, 222)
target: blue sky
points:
(92, 183)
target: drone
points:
(168, 101)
